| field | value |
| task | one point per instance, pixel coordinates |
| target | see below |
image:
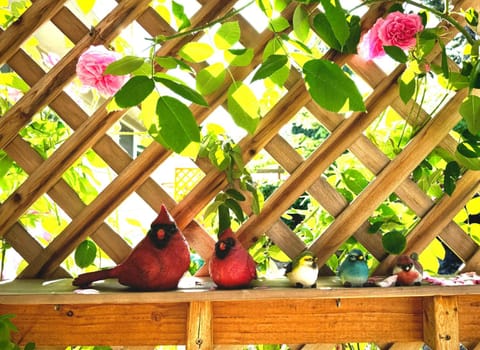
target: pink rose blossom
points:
(92, 64)
(371, 46)
(397, 29)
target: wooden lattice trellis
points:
(391, 176)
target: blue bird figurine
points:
(353, 271)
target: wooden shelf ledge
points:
(53, 313)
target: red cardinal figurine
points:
(156, 263)
(408, 269)
(231, 266)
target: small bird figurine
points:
(303, 270)
(231, 266)
(408, 270)
(156, 263)
(353, 271)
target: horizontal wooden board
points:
(317, 321)
(106, 324)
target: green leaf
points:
(85, 254)
(169, 62)
(451, 175)
(375, 226)
(134, 91)
(196, 52)
(227, 35)
(243, 106)
(301, 23)
(266, 7)
(396, 53)
(407, 85)
(224, 220)
(278, 25)
(394, 242)
(177, 125)
(231, 192)
(180, 16)
(210, 78)
(271, 65)
(239, 57)
(354, 180)
(322, 27)
(183, 90)
(469, 163)
(124, 65)
(13, 80)
(475, 76)
(470, 111)
(468, 149)
(235, 208)
(471, 16)
(337, 19)
(330, 87)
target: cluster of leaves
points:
(6, 328)
(175, 127)
(226, 156)
(10, 11)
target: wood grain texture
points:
(440, 322)
(319, 321)
(199, 326)
(19, 31)
(106, 324)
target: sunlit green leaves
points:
(180, 88)
(196, 52)
(125, 65)
(470, 111)
(337, 28)
(243, 106)
(177, 127)
(134, 91)
(407, 85)
(210, 78)
(354, 180)
(270, 66)
(239, 57)
(278, 25)
(180, 17)
(85, 254)
(301, 23)
(330, 87)
(471, 16)
(227, 35)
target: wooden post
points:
(199, 326)
(440, 322)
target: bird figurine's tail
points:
(86, 279)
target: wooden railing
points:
(53, 314)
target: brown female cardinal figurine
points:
(231, 266)
(408, 269)
(156, 263)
